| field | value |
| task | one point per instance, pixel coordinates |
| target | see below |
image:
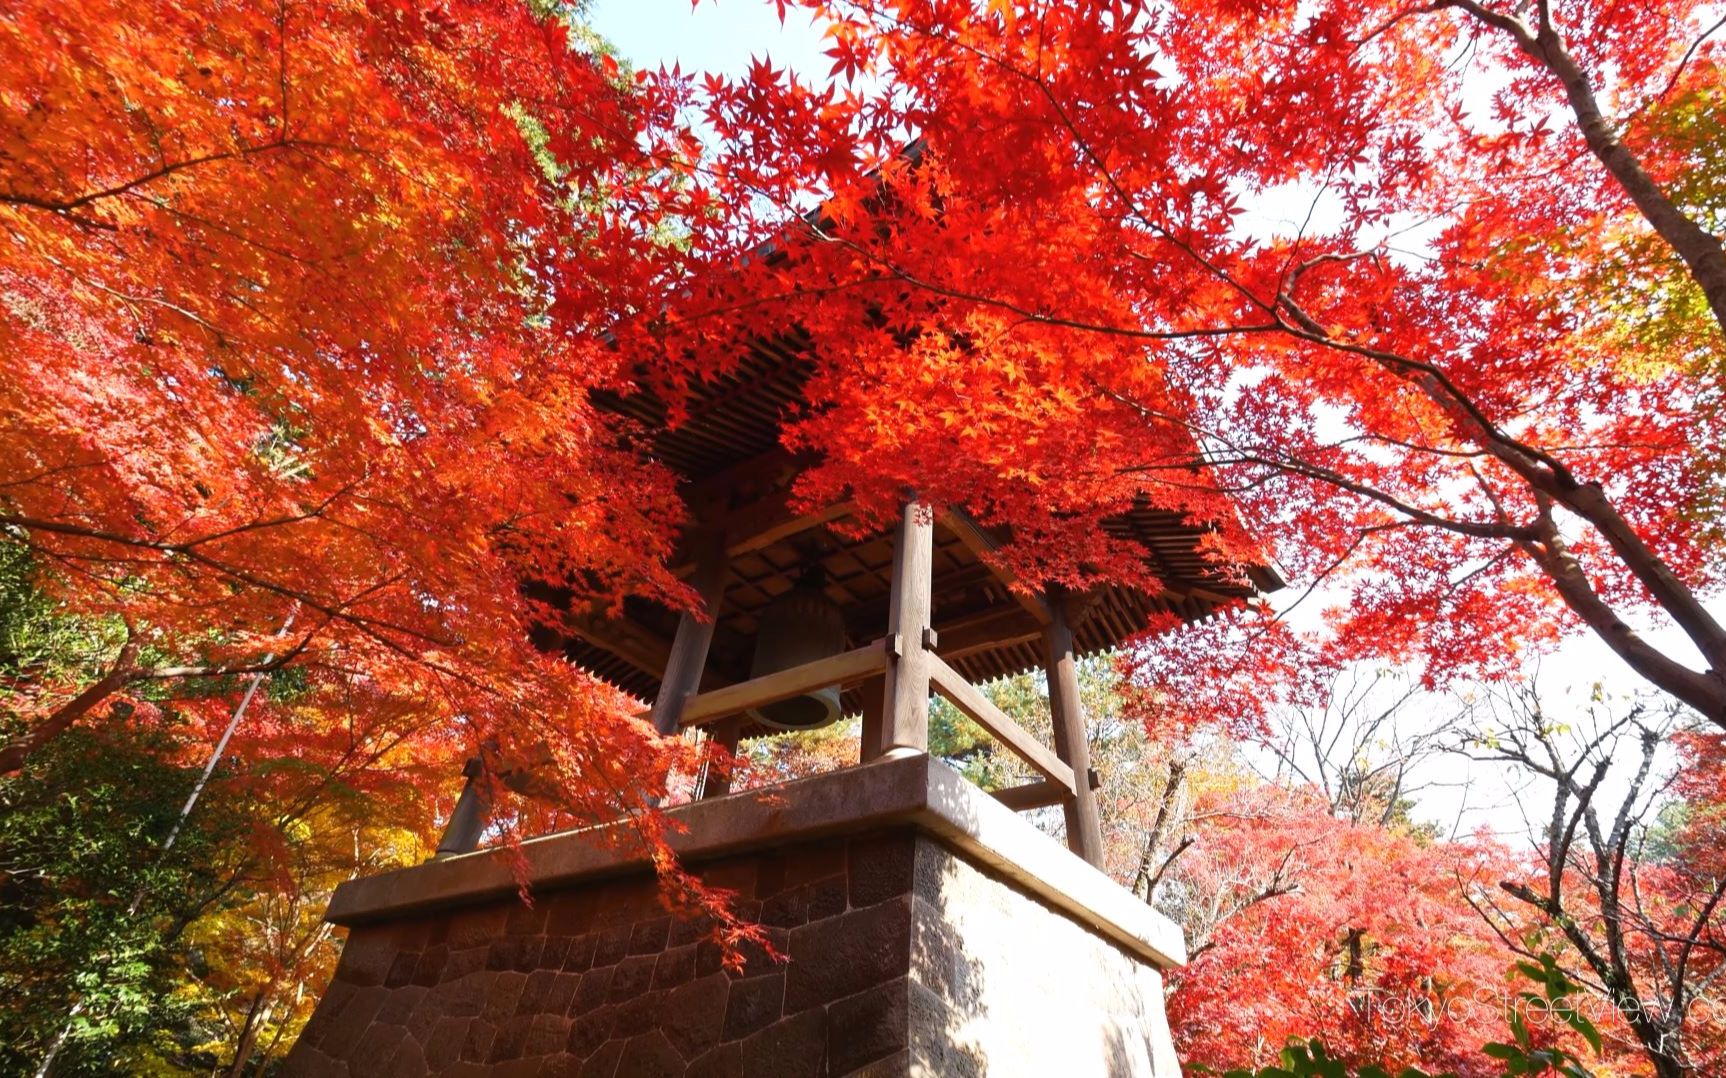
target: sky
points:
(717, 35)
(725, 35)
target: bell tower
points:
(924, 926)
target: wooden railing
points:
(715, 705)
(700, 709)
(900, 672)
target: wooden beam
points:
(970, 699)
(983, 543)
(641, 648)
(1036, 795)
(757, 525)
(905, 722)
(1084, 831)
(865, 619)
(782, 685)
(763, 523)
(998, 626)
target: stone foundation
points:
(921, 931)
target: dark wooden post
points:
(694, 635)
(472, 811)
(1084, 834)
(874, 692)
(905, 713)
(727, 732)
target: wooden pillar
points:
(874, 714)
(694, 635)
(1084, 834)
(472, 812)
(905, 714)
(726, 732)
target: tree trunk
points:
(14, 755)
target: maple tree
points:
(303, 303)
(1471, 388)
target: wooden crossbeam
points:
(838, 669)
(1000, 626)
(1035, 795)
(981, 710)
(983, 543)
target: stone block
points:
(638, 1014)
(546, 1034)
(352, 1021)
(467, 997)
(463, 962)
(694, 1014)
(632, 977)
(502, 995)
(408, 1062)
(509, 1041)
(687, 930)
(674, 967)
(827, 898)
(881, 867)
(603, 1063)
(591, 993)
(402, 969)
(871, 1025)
(476, 1046)
(553, 952)
(525, 919)
(650, 1055)
(794, 1047)
(580, 955)
(561, 1065)
(612, 945)
(588, 1032)
(334, 1002)
(429, 969)
(366, 959)
(444, 1044)
(536, 992)
(725, 1061)
(648, 937)
(814, 861)
(897, 1065)
(561, 995)
(476, 926)
(570, 913)
(400, 1004)
(376, 1048)
(753, 1003)
(844, 955)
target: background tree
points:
(138, 935)
(1626, 893)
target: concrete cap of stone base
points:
(912, 790)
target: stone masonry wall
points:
(904, 958)
(598, 981)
